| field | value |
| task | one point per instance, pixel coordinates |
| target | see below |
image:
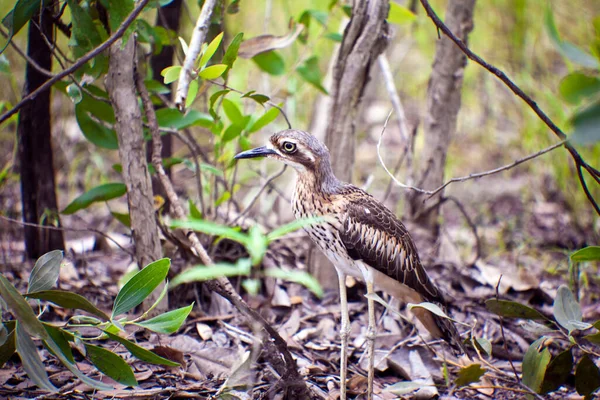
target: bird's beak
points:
(257, 152)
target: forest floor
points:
(216, 345)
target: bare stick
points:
(388, 78)
(505, 344)
(462, 178)
(82, 61)
(579, 161)
(198, 37)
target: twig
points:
(222, 286)
(388, 78)
(62, 228)
(579, 161)
(79, 63)
(30, 60)
(471, 224)
(462, 178)
(195, 46)
(505, 344)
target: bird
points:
(360, 236)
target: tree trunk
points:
(443, 104)
(120, 84)
(38, 192)
(365, 37)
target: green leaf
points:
(61, 339)
(192, 93)
(210, 50)
(403, 388)
(336, 37)
(567, 49)
(400, 15)
(156, 87)
(171, 74)
(590, 253)
(586, 125)
(19, 16)
(211, 228)
(511, 309)
(587, 376)
(292, 227)
(94, 132)
(173, 118)
(257, 244)
(85, 35)
(111, 365)
(69, 300)
(301, 277)
(431, 307)
(201, 273)
(468, 375)
(30, 360)
(233, 112)
(484, 344)
(215, 96)
(270, 62)
(213, 72)
(123, 218)
(577, 86)
(118, 10)
(169, 322)
(105, 192)
(264, 120)
(558, 371)
(232, 132)
(310, 72)
(21, 310)
(45, 272)
(566, 309)
(232, 51)
(194, 212)
(140, 352)
(140, 286)
(535, 362)
(8, 348)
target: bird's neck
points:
(319, 179)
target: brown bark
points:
(443, 104)
(365, 37)
(120, 85)
(38, 193)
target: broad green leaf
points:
(140, 286)
(211, 228)
(251, 286)
(140, 352)
(311, 73)
(259, 98)
(257, 244)
(301, 277)
(586, 124)
(30, 360)
(468, 375)
(73, 368)
(232, 132)
(123, 218)
(512, 309)
(173, 118)
(201, 273)
(232, 51)
(21, 309)
(210, 50)
(590, 253)
(19, 16)
(567, 310)
(270, 62)
(292, 227)
(9, 346)
(111, 365)
(45, 272)
(74, 93)
(577, 86)
(61, 339)
(85, 35)
(69, 300)
(95, 132)
(169, 322)
(336, 37)
(156, 87)
(233, 112)
(161, 296)
(105, 192)
(403, 388)
(400, 15)
(215, 96)
(268, 117)
(587, 376)
(568, 50)
(535, 362)
(558, 371)
(484, 344)
(118, 10)
(213, 72)
(536, 328)
(194, 211)
(192, 93)
(171, 74)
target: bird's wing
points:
(372, 233)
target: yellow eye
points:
(289, 147)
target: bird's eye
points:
(289, 147)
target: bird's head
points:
(298, 149)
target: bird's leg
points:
(344, 333)
(371, 333)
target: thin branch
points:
(388, 78)
(79, 63)
(65, 229)
(505, 344)
(30, 60)
(579, 161)
(193, 52)
(463, 178)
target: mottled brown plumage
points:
(360, 236)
